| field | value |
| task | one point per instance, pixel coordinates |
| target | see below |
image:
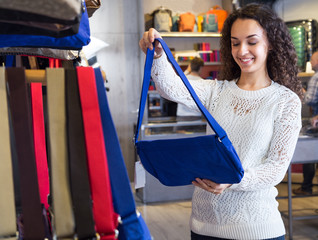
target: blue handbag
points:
(177, 162)
(73, 42)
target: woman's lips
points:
(246, 60)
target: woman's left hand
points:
(210, 186)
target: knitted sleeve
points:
(170, 86)
(285, 135)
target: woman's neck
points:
(252, 82)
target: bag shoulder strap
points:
(147, 74)
(130, 226)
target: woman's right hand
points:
(146, 42)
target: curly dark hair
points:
(282, 59)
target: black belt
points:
(79, 179)
(22, 125)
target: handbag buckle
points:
(220, 139)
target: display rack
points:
(305, 152)
(304, 74)
(154, 191)
(190, 34)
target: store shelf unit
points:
(184, 41)
(304, 74)
(305, 152)
(190, 34)
(205, 64)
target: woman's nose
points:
(243, 49)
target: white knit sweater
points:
(263, 126)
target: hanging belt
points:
(39, 142)
(22, 124)
(79, 180)
(131, 226)
(7, 208)
(96, 155)
(63, 222)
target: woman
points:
(258, 105)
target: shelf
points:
(205, 63)
(190, 34)
(154, 108)
(153, 92)
(304, 74)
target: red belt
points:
(104, 215)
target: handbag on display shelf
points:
(37, 28)
(177, 162)
(64, 10)
(72, 42)
(60, 18)
(41, 52)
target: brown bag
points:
(186, 22)
(92, 6)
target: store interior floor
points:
(170, 220)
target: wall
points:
(295, 10)
(196, 7)
(120, 24)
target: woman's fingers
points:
(153, 33)
(144, 42)
(148, 38)
(210, 186)
(204, 185)
(210, 183)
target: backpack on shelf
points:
(186, 22)
(162, 19)
(175, 23)
(210, 22)
(221, 15)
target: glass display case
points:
(177, 129)
(167, 128)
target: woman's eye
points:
(252, 43)
(235, 44)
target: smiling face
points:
(249, 46)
